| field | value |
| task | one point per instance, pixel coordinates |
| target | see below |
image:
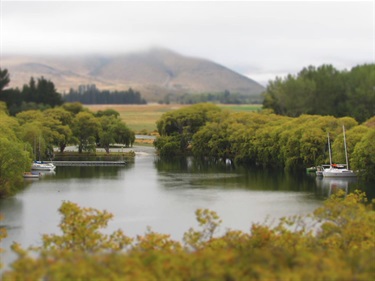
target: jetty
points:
(87, 163)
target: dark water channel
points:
(161, 194)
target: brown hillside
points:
(154, 73)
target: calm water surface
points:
(162, 195)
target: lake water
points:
(161, 194)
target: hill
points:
(154, 73)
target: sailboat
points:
(338, 170)
(40, 165)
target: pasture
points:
(142, 118)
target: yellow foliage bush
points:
(338, 243)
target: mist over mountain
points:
(154, 73)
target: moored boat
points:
(42, 166)
(338, 170)
(29, 175)
(311, 169)
(321, 168)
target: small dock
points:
(87, 163)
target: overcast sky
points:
(260, 39)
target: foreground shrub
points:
(336, 242)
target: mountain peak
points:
(155, 73)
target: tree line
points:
(336, 242)
(266, 139)
(91, 95)
(33, 134)
(38, 94)
(324, 90)
(225, 97)
(41, 94)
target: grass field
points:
(143, 117)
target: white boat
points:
(29, 175)
(42, 166)
(321, 168)
(338, 170)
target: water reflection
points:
(191, 165)
(190, 172)
(89, 172)
(329, 186)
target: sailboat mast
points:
(329, 150)
(346, 152)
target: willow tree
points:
(363, 158)
(63, 132)
(176, 128)
(86, 128)
(14, 155)
(44, 130)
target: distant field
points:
(144, 117)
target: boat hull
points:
(311, 170)
(31, 176)
(337, 173)
(38, 166)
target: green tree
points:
(240, 135)
(14, 160)
(363, 158)
(31, 133)
(61, 114)
(30, 92)
(73, 107)
(263, 139)
(4, 79)
(324, 90)
(291, 96)
(213, 140)
(113, 130)
(85, 128)
(169, 146)
(9, 126)
(107, 133)
(43, 132)
(13, 99)
(64, 134)
(47, 93)
(360, 92)
(123, 134)
(3, 107)
(29, 116)
(107, 112)
(329, 87)
(55, 134)
(180, 125)
(352, 136)
(41, 92)
(266, 147)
